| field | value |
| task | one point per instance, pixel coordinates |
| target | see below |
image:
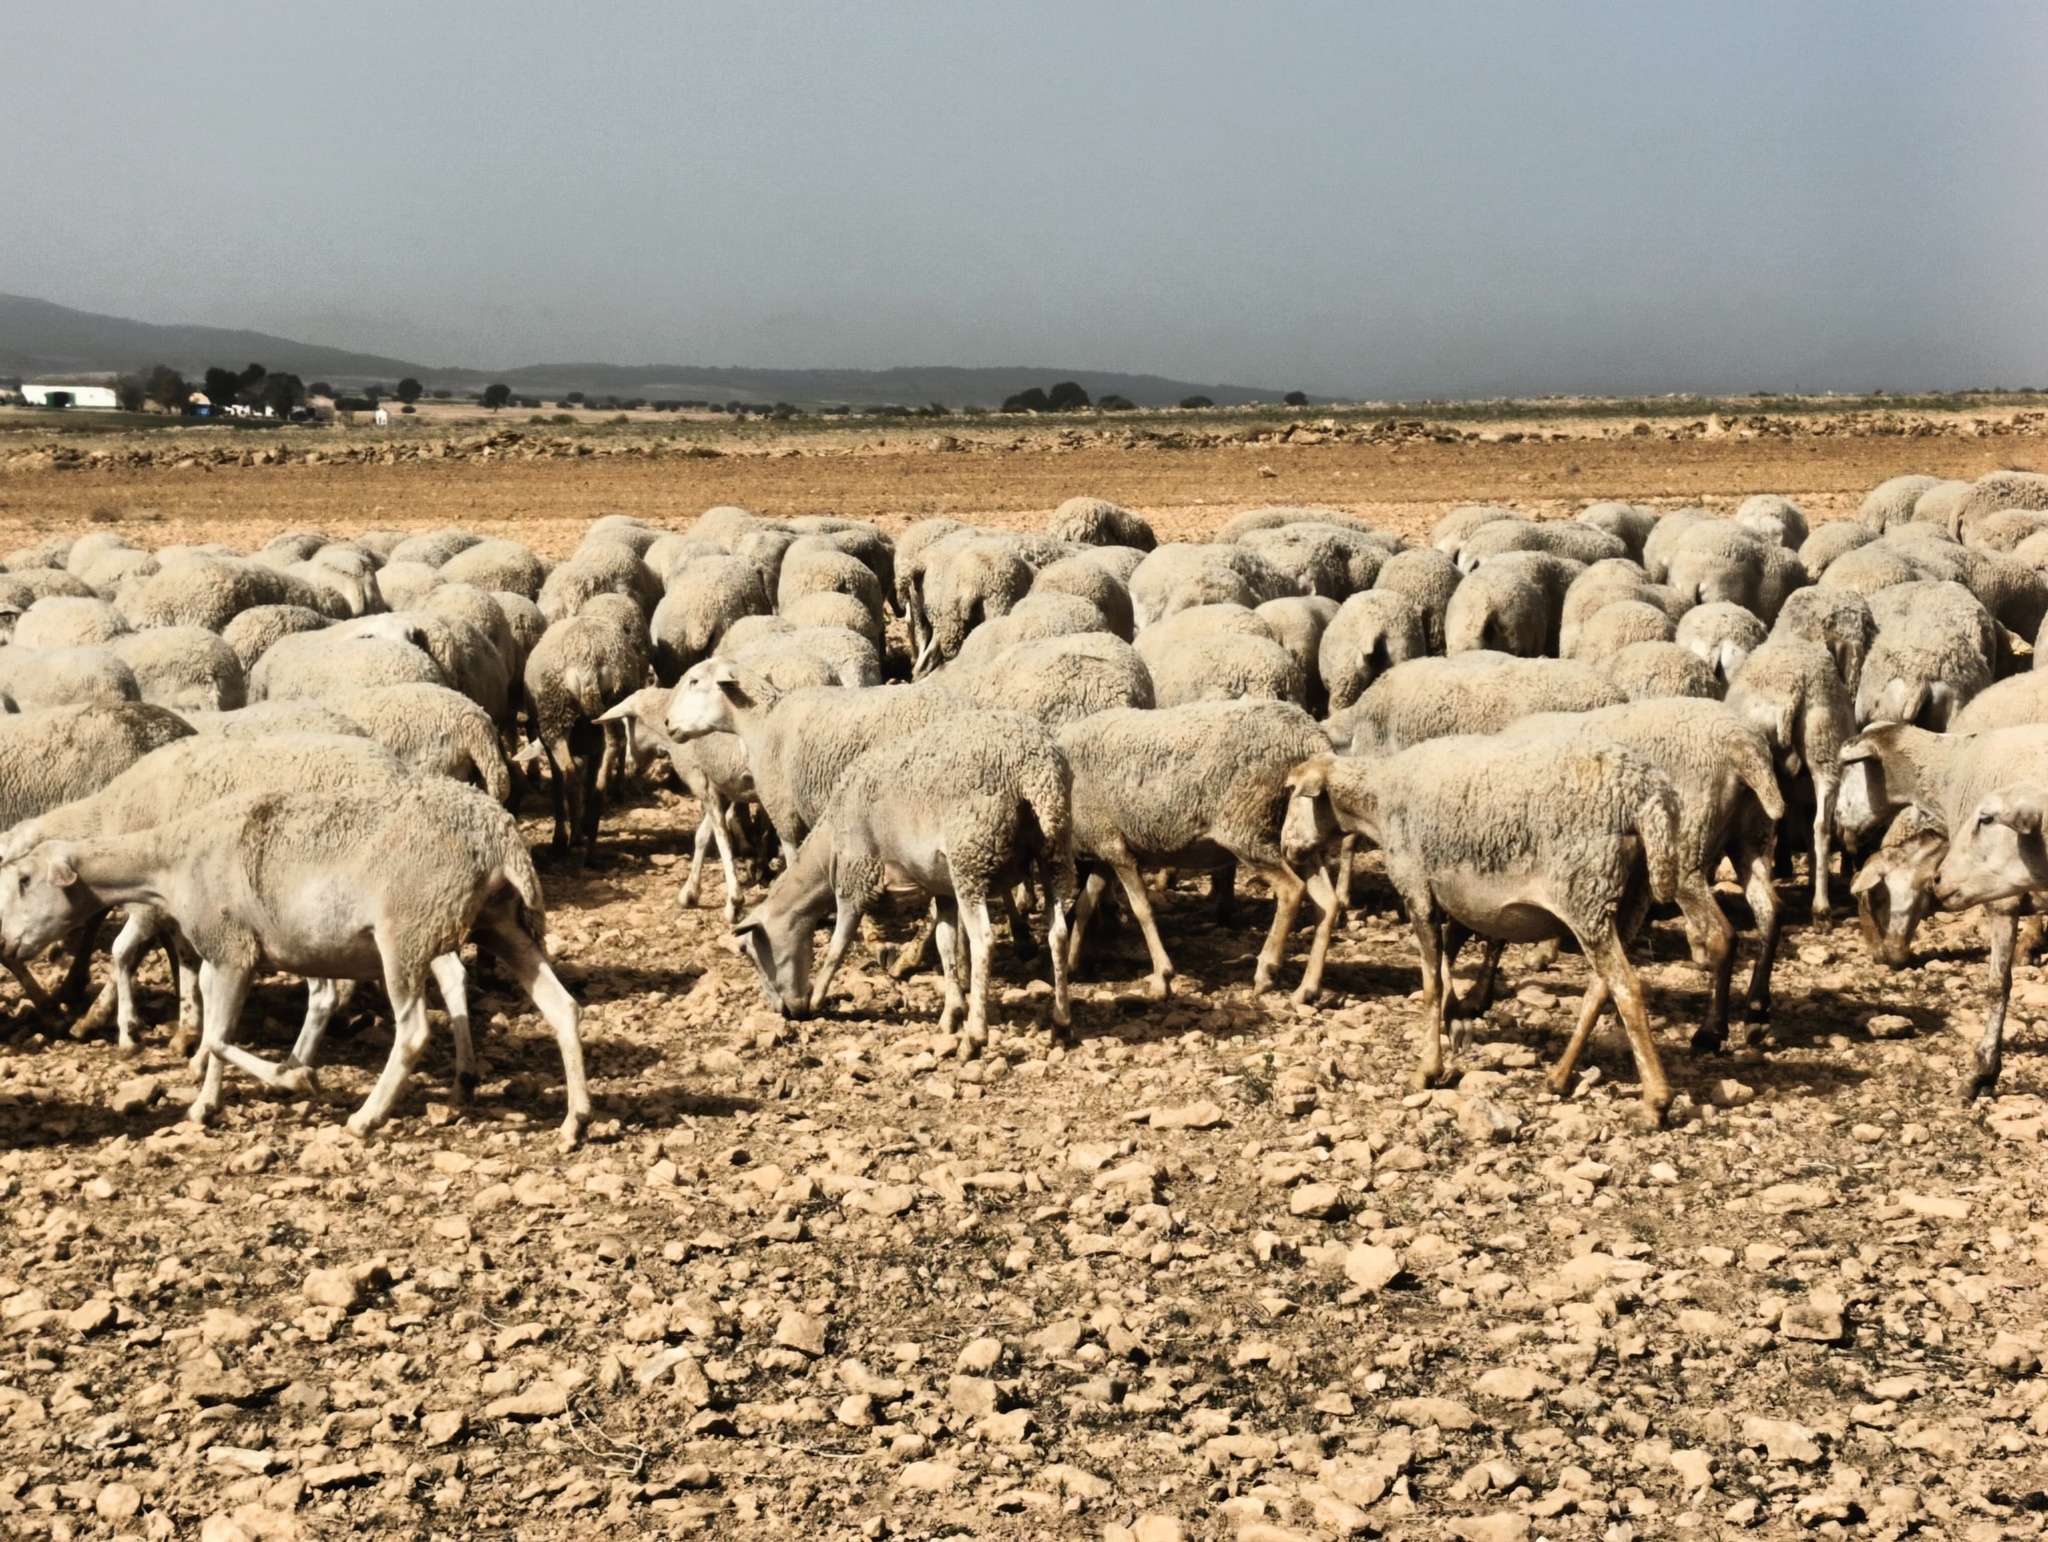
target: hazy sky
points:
(1406, 200)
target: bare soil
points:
(1216, 1268)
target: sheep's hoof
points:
(128, 1049)
(1423, 1078)
(571, 1135)
(362, 1126)
(297, 1078)
(1557, 1083)
(1823, 919)
(732, 912)
(1304, 997)
(1651, 1114)
(200, 1112)
(686, 899)
(466, 1083)
(1981, 1085)
(1708, 1041)
(1758, 1011)
(1160, 987)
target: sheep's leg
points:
(323, 999)
(452, 980)
(30, 987)
(1560, 1079)
(1475, 1001)
(1287, 890)
(1610, 958)
(131, 943)
(844, 928)
(529, 966)
(946, 930)
(911, 955)
(1023, 944)
(222, 989)
(981, 931)
(1347, 851)
(1824, 789)
(1324, 893)
(1141, 907)
(1754, 860)
(592, 812)
(1056, 942)
(1431, 1070)
(408, 1042)
(1084, 908)
(1223, 895)
(723, 838)
(693, 885)
(2001, 929)
(1713, 938)
(190, 1010)
(564, 792)
(78, 977)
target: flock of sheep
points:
(302, 758)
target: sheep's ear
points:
(2020, 810)
(528, 753)
(1872, 875)
(61, 873)
(1310, 777)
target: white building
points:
(62, 393)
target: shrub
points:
(409, 390)
(1116, 404)
(1067, 396)
(1193, 402)
(1296, 398)
(1030, 399)
(496, 396)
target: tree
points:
(280, 393)
(220, 385)
(1067, 396)
(319, 388)
(410, 390)
(1296, 398)
(1030, 399)
(573, 397)
(495, 396)
(1116, 404)
(130, 391)
(1193, 402)
(167, 388)
(373, 394)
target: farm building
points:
(68, 393)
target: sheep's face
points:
(1895, 892)
(1998, 853)
(780, 948)
(703, 701)
(41, 899)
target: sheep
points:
(56, 677)
(1620, 625)
(1867, 569)
(1718, 560)
(468, 660)
(913, 552)
(1184, 787)
(1837, 619)
(382, 543)
(1522, 839)
(1993, 493)
(1297, 623)
(2011, 588)
(968, 578)
(1371, 633)
(1326, 560)
(266, 718)
(817, 654)
(1036, 615)
(823, 608)
(798, 742)
(1934, 650)
(1607, 583)
(433, 547)
(706, 598)
(1664, 539)
(1119, 562)
(1833, 540)
(1087, 579)
(583, 665)
(1646, 670)
(433, 731)
(1450, 533)
(2015, 700)
(1894, 889)
(1471, 693)
(1722, 634)
(1098, 522)
(1427, 577)
(209, 591)
(497, 564)
(724, 523)
(1238, 525)
(1773, 519)
(184, 666)
(960, 809)
(1512, 603)
(1221, 666)
(1789, 690)
(1891, 502)
(252, 632)
(606, 567)
(1178, 577)
(813, 565)
(405, 585)
(1057, 680)
(316, 664)
(466, 602)
(1995, 859)
(50, 552)
(65, 621)
(857, 538)
(1630, 523)
(357, 886)
(2003, 531)
(1561, 538)
(50, 583)
(347, 574)
(105, 571)
(523, 623)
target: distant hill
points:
(39, 338)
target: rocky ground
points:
(1215, 1272)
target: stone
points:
(91, 1317)
(1057, 1340)
(1730, 1093)
(980, 1356)
(973, 1397)
(1817, 1319)
(1076, 1482)
(1195, 1116)
(1936, 1207)
(118, 1502)
(856, 1411)
(336, 1288)
(1485, 1122)
(1695, 1469)
(217, 1325)
(135, 1095)
(542, 1400)
(928, 1477)
(2013, 1357)
(803, 1331)
(1443, 1412)
(1371, 1267)
(1888, 1025)
(1501, 1526)
(1318, 1201)
(1782, 1440)
(1515, 1383)
(443, 1428)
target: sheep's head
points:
(706, 700)
(41, 900)
(1998, 852)
(780, 945)
(1309, 825)
(1895, 891)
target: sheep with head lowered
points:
(962, 809)
(1513, 603)
(1839, 620)
(1722, 634)
(1054, 679)
(1179, 577)
(1372, 632)
(1630, 523)
(1569, 539)
(498, 564)
(31, 678)
(1644, 671)
(253, 631)
(1525, 839)
(1085, 578)
(1471, 693)
(708, 596)
(66, 621)
(584, 665)
(1936, 648)
(364, 886)
(1609, 582)
(1831, 541)
(1429, 578)
(184, 667)
(1098, 522)
(1790, 691)
(1891, 502)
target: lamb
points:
(1646, 670)
(1934, 651)
(1831, 542)
(56, 677)
(706, 597)
(1630, 523)
(799, 743)
(65, 621)
(1370, 634)
(1098, 522)
(1773, 519)
(1839, 620)
(184, 666)
(1427, 577)
(1057, 680)
(1471, 693)
(309, 665)
(1790, 692)
(252, 631)
(1723, 635)
(1190, 787)
(1087, 579)
(433, 731)
(1513, 603)
(1891, 502)
(584, 665)
(496, 564)
(962, 809)
(1569, 539)
(1521, 838)
(1178, 577)
(351, 886)
(1618, 626)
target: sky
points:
(1356, 199)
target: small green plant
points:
(1257, 1086)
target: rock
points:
(973, 1397)
(928, 1477)
(804, 1331)
(856, 1411)
(1371, 1267)
(1485, 1122)
(2013, 1357)
(135, 1095)
(118, 1502)
(440, 1429)
(336, 1288)
(91, 1317)
(1319, 1201)
(1782, 1440)
(1888, 1025)
(1730, 1093)
(1817, 1319)
(542, 1400)
(1695, 1469)
(1515, 1383)
(1195, 1116)
(1057, 1340)
(1077, 1482)
(333, 1475)
(217, 1325)
(1936, 1207)
(1422, 1412)
(1501, 1526)
(1147, 1528)
(980, 1356)
(1007, 1429)
(1794, 1198)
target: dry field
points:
(1214, 1273)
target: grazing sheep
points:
(2003, 531)
(969, 578)
(1719, 560)
(1620, 625)
(1723, 635)
(1839, 620)
(433, 731)
(346, 575)
(266, 718)
(1327, 560)
(1894, 889)
(1098, 522)
(381, 886)
(1993, 493)
(469, 661)
(1789, 691)
(405, 585)
(1178, 577)
(1449, 534)
(1087, 579)
(65, 621)
(1646, 670)
(913, 551)
(1605, 583)
(812, 655)
(830, 608)
(50, 552)
(525, 625)
(857, 538)
(252, 632)
(108, 569)
(606, 567)
(1369, 635)
(1569, 539)
(210, 591)
(1995, 859)
(1470, 693)
(707, 597)
(1036, 615)
(50, 583)
(1297, 623)
(1221, 666)
(961, 809)
(1630, 523)
(1891, 502)
(2011, 702)
(814, 566)
(1190, 788)
(1513, 603)
(55, 677)
(1519, 838)
(1664, 538)
(288, 546)
(1934, 650)
(433, 547)
(1057, 680)
(1866, 569)
(1119, 562)
(2011, 588)
(1831, 541)
(497, 564)
(583, 665)
(712, 768)
(466, 602)
(184, 667)
(1427, 577)
(1772, 518)
(1238, 525)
